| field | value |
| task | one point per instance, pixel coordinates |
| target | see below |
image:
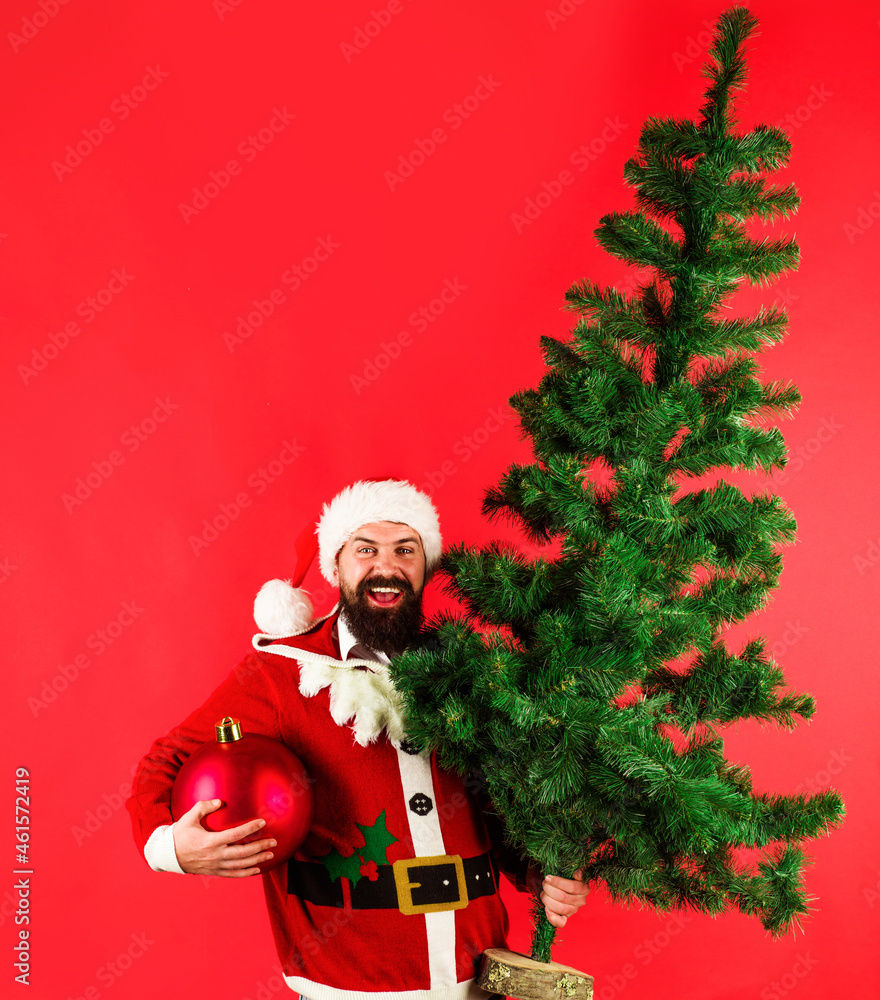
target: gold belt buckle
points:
(405, 885)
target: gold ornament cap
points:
(228, 730)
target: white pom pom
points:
(280, 609)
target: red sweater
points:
(330, 950)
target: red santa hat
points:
(283, 608)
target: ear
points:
(336, 572)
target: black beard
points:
(385, 630)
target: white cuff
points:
(159, 851)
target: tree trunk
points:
(511, 974)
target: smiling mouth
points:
(384, 597)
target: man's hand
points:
(200, 852)
(562, 897)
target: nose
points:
(386, 563)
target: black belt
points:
(414, 885)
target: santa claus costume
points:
(394, 894)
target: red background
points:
(340, 377)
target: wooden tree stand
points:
(512, 974)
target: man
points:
(424, 903)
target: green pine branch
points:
(589, 691)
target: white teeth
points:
(384, 590)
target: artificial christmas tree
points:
(589, 689)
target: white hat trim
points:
(369, 503)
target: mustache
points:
(398, 582)
(390, 629)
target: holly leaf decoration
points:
(337, 866)
(377, 840)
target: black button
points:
(407, 747)
(420, 804)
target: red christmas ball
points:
(257, 778)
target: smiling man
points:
(394, 894)
(381, 573)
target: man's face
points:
(380, 572)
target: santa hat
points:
(368, 502)
(283, 608)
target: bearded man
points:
(413, 926)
